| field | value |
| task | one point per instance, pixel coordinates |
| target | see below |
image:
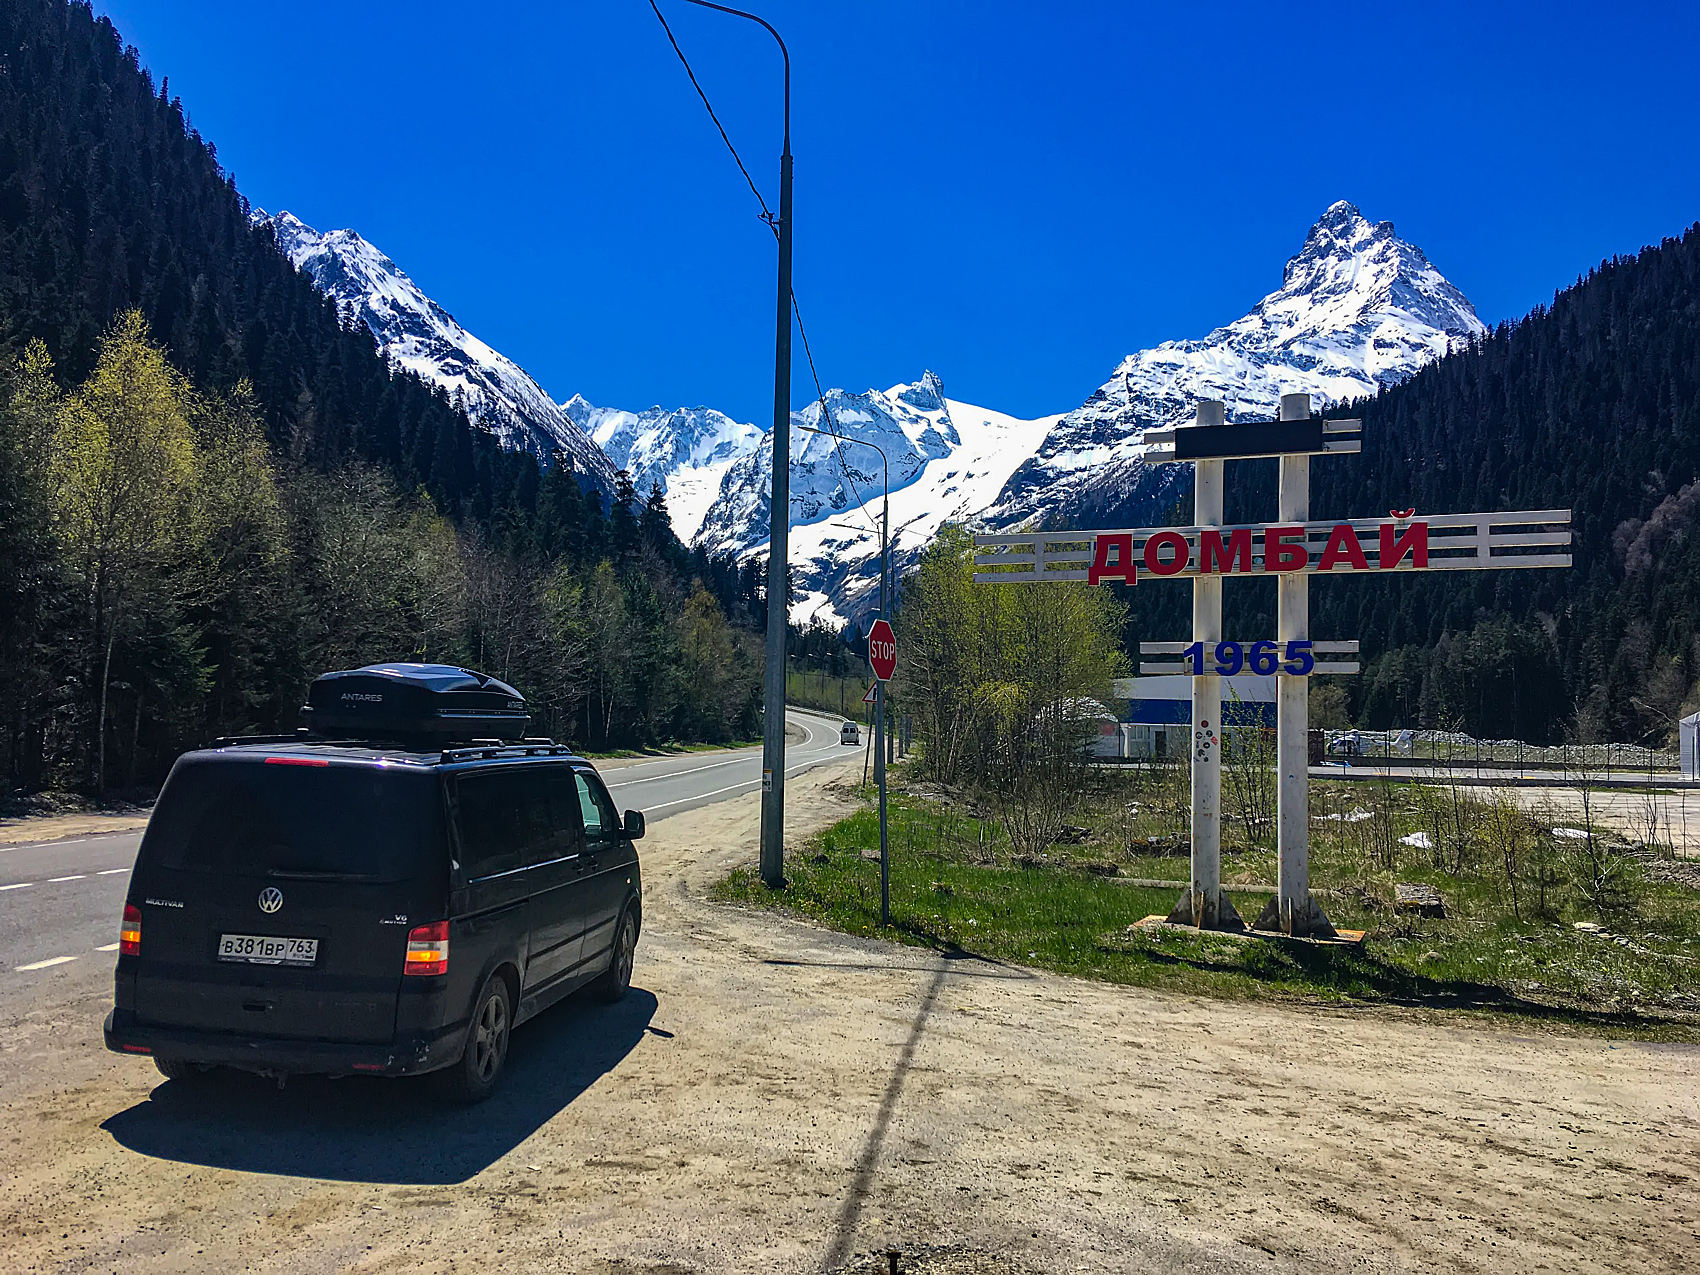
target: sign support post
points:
(1292, 910)
(882, 656)
(1291, 550)
(1203, 904)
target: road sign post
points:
(1291, 550)
(882, 657)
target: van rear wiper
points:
(303, 874)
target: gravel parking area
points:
(772, 1097)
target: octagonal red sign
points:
(882, 650)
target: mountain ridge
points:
(417, 334)
(1358, 309)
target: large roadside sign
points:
(882, 650)
(1289, 551)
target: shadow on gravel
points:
(998, 968)
(369, 1129)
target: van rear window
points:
(336, 822)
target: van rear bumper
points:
(404, 1056)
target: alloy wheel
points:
(490, 1039)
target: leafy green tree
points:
(125, 469)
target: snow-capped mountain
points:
(687, 451)
(908, 423)
(1358, 309)
(417, 334)
(947, 461)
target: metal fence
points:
(1453, 751)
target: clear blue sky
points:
(1015, 195)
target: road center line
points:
(106, 872)
(74, 877)
(675, 774)
(110, 947)
(701, 796)
(21, 885)
(41, 965)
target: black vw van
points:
(340, 902)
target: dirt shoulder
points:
(778, 1098)
(18, 829)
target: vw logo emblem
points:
(271, 899)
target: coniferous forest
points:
(212, 488)
(1590, 404)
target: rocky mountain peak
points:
(417, 335)
(1358, 309)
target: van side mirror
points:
(634, 825)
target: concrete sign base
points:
(1306, 920)
(1196, 908)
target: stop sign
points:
(882, 650)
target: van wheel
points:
(618, 980)
(474, 1077)
(180, 1069)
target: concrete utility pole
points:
(778, 515)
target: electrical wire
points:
(773, 225)
(766, 215)
(826, 415)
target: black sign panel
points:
(1260, 438)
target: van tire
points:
(179, 1069)
(617, 981)
(475, 1076)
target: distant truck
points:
(850, 733)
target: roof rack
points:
(298, 736)
(490, 748)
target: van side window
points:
(564, 807)
(505, 821)
(600, 821)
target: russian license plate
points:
(265, 949)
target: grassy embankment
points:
(957, 884)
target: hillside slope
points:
(417, 335)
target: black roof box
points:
(414, 701)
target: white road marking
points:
(76, 877)
(674, 774)
(74, 841)
(41, 965)
(110, 947)
(789, 770)
(106, 872)
(22, 885)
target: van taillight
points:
(428, 949)
(130, 933)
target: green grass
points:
(956, 886)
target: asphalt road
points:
(60, 901)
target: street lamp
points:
(778, 516)
(879, 685)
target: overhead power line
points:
(773, 225)
(767, 216)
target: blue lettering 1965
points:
(1261, 657)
